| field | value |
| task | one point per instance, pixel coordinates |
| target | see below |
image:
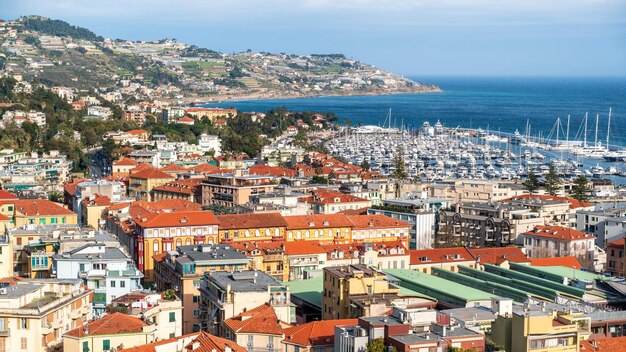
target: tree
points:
(365, 165)
(553, 182)
(377, 345)
(319, 180)
(55, 196)
(581, 190)
(531, 183)
(398, 162)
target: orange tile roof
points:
(327, 197)
(250, 221)
(125, 161)
(263, 246)
(185, 119)
(610, 344)
(567, 261)
(205, 168)
(303, 248)
(188, 187)
(176, 219)
(71, 186)
(317, 221)
(377, 221)
(173, 167)
(440, 255)
(141, 167)
(154, 347)
(119, 206)
(37, 207)
(573, 203)
(316, 333)
(558, 232)
(151, 174)
(136, 132)
(7, 195)
(360, 211)
(617, 243)
(261, 320)
(98, 200)
(110, 324)
(497, 255)
(275, 171)
(209, 343)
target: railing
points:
(5, 332)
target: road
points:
(100, 166)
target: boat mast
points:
(608, 129)
(558, 128)
(585, 140)
(567, 133)
(597, 120)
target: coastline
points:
(251, 97)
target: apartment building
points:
(269, 257)
(21, 212)
(234, 189)
(141, 183)
(245, 227)
(258, 329)
(615, 259)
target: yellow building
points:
(36, 212)
(325, 228)
(113, 331)
(269, 257)
(245, 227)
(38, 258)
(162, 232)
(34, 315)
(345, 284)
(92, 209)
(379, 228)
(535, 329)
(141, 183)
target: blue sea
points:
(497, 104)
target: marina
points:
(435, 152)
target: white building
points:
(210, 142)
(108, 271)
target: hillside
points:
(58, 54)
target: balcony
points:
(5, 332)
(45, 330)
(75, 314)
(296, 262)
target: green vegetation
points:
(400, 172)
(581, 189)
(532, 182)
(377, 345)
(553, 182)
(58, 28)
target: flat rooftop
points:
(243, 281)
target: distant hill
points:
(58, 28)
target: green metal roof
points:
(407, 292)
(569, 272)
(439, 285)
(309, 290)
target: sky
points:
(409, 37)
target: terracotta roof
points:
(573, 203)
(205, 168)
(497, 255)
(567, 261)
(303, 248)
(71, 186)
(610, 344)
(328, 197)
(440, 255)
(263, 246)
(141, 167)
(316, 333)
(350, 212)
(377, 221)
(206, 342)
(154, 347)
(125, 161)
(136, 132)
(173, 167)
(250, 221)
(276, 171)
(111, 324)
(617, 243)
(98, 200)
(559, 233)
(185, 119)
(151, 174)
(188, 187)
(317, 221)
(37, 207)
(119, 206)
(7, 195)
(261, 320)
(176, 219)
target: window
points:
(24, 343)
(250, 342)
(112, 283)
(23, 323)
(106, 345)
(196, 298)
(85, 346)
(196, 313)
(270, 344)
(172, 317)
(122, 283)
